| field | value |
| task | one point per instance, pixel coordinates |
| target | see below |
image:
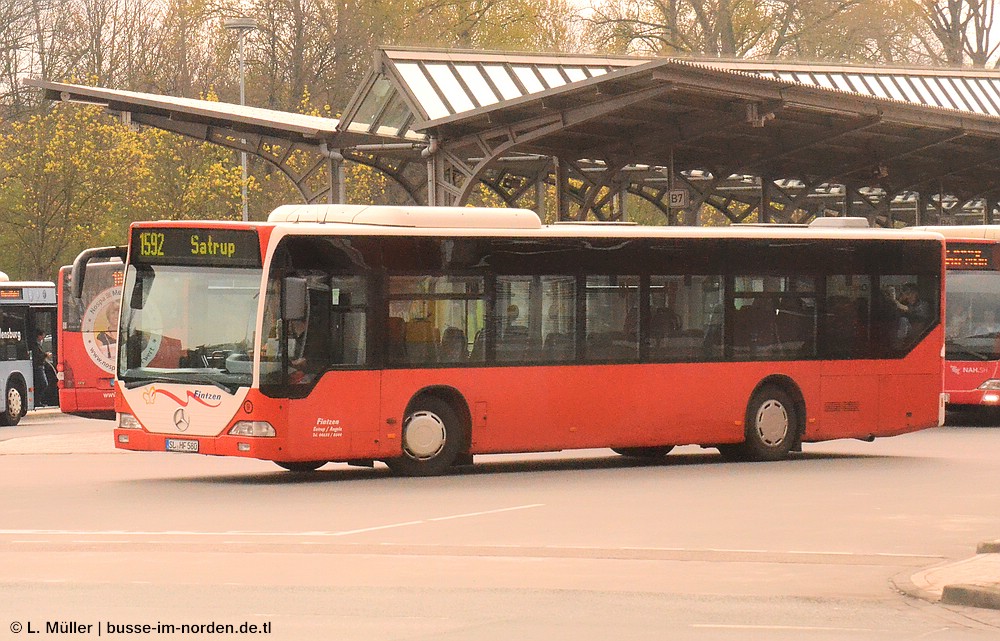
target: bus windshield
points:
(188, 324)
(973, 323)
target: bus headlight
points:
(252, 428)
(992, 384)
(128, 422)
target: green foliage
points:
(72, 178)
(66, 178)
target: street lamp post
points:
(242, 26)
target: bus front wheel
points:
(771, 427)
(15, 405)
(431, 439)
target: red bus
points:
(88, 328)
(972, 327)
(421, 337)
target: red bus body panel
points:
(86, 379)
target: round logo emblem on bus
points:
(99, 327)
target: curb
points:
(973, 596)
(988, 547)
(972, 582)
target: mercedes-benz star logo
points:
(181, 420)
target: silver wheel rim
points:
(424, 435)
(772, 422)
(13, 402)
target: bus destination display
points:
(210, 247)
(971, 256)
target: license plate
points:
(181, 445)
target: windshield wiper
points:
(186, 379)
(953, 346)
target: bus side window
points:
(348, 320)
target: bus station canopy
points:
(628, 121)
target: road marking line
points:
(318, 533)
(372, 529)
(497, 511)
(801, 628)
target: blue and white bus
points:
(27, 345)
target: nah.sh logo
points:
(958, 370)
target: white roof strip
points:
(958, 90)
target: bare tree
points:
(721, 28)
(961, 31)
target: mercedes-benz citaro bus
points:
(972, 326)
(422, 336)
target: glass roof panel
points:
(857, 83)
(825, 81)
(498, 74)
(528, 79)
(450, 87)
(967, 98)
(926, 97)
(552, 77)
(481, 89)
(396, 114)
(378, 95)
(991, 87)
(597, 71)
(576, 74)
(874, 87)
(909, 90)
(986, 95)
(939, 94)
(890, 83)
(422, 90)
(841, 83)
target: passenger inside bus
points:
(298, 363)
(45, 375)
(913, 313)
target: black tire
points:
(15, 407)
(431, 439)
(301, 466)
(771, 427)
(654, 452)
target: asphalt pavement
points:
(971, 582)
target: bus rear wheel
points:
(15, 405)
(655, 452)
(771, 427)
(431, 439)
(301, 466)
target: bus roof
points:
(437, 217)
(971, 232)
(467, 221)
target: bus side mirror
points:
(296, 301)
